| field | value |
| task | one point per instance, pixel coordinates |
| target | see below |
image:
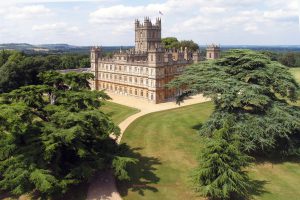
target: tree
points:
(288, 59)
(255, 92)
(221, 173)
(190, 44)
(18, 69)
(172, 42)
(53, 136)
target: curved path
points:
(103, 187)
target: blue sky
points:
(111, 22)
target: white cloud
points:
(26, 12)
(61, 26)
(111, 22)
(119, 13)
(253, 28)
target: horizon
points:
(200, 45)
(111, 23)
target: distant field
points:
(167, 144)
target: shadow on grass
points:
(111, 113)
(257, 187)
(275, 159)
(76, 192)
(197, 126)
(142, 174)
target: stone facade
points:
(213, 52)
(144, 70)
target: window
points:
(142, 93)
(120, 68)
(209, 55)
(135, 80)
(135, 91)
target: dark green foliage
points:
(17, 69)
(289, 59)
(253, 90)
(53, 136)
(221, 172)
(172, 42)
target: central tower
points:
(147, 35)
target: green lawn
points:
(167, 144)
(118, 112)
(296, 73)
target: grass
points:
(167, 144)
(296, 73)
(118, 112)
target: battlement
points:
(148, 23)
(96, 48)
(213, 47)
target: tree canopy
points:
(172, 42)
(18, 69)
(221, 174)
(53, 136)
(255, 92)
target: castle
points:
(144, 70)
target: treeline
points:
(18, 69)
(289, 59)
(173, 42)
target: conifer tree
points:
(53, 136)
(255, 92)
(221, 174)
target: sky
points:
(111, 22)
